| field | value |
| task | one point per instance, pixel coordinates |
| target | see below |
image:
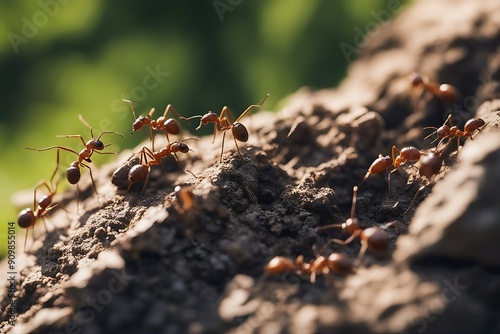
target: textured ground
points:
(130, 263)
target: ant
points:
(399, 157)
(169, 125)
(445, 92)
(92, 145)
(444, 131)
(336, 262)
(141, 171)
(28, 217)
(222, 123)
(373, 238)
(185, 198)
(429, 166)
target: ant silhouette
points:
(141, 171)
(444, 131)
(372, 238)
(28, 217)
(445, 92)
(169, 125)
(92, 145)
(399, 158)
(222, 123)
(337, 263)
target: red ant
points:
(141, 171)
(444, 131)
(169, 125)
(223, 123)
(92, 145)
(399, 157)
(185, 198)
(444, 92)
(336, 262)
(429, 166)
(28, 217)
(373, 238)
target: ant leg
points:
(145, 182)
(347, 241)
(80, 117)
(251, 107)
(130, 102)
(414, 198)
(92, 178)
(184, 170)
(222, 145)
(53, 147)
(239, 152)
(329, 226)
(73, 136)
(167, 109)
(362, 251)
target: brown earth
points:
(130, 263)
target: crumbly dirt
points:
(133, 262)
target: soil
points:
(134, 262)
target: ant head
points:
(98, 145)
(351, 225)
(240, 132)
(26, 218)
(183, 148)
(443, 131)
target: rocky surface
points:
(128, 263)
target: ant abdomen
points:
(340, 263)
(240, 132)
(410, 153)
(376, 239)
(73, 173)
(473, 125)
(171, 126)
(430, 165)
(137, 173)
(26, 218)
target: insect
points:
(185, 198)
(399, 157)
(222, 123)
(93, 145)
(28, 217)
(444, 131)
(429, 166)
(337, 263)
(445, 92)
(372, 238)
(168, 125)
(149, 158)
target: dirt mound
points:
(130, 263)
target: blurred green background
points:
(61, 58)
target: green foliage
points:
(83, 57)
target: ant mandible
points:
(92, 145)
(169, 125)
(222, 123)
(444, 92)
(141, 171)
(399, 157)
(373, 238)
(28, 217)
(444, 131)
